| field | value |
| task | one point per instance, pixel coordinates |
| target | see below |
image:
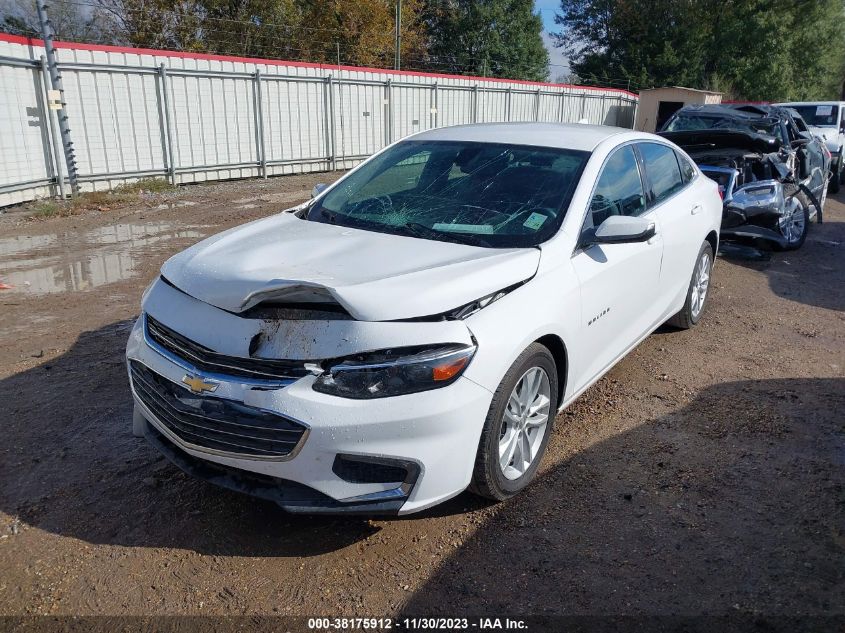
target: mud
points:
(703, 475)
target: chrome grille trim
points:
(210, 425)
(200, 358)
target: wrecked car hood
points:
(374, 276)
(706, 139)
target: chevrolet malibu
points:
(414, 328)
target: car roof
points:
(802, 103)
(576, 136)
(746, 112)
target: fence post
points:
(537, 105)
(436, 108)
(56, 81)
(51, 128)
(560, 106)
(171, 167)
(388, 104)
(258, 111)
(475, 103)
(508, 103)
(583, 105)
(330, 133)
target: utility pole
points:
(56, 81)
(397, 59)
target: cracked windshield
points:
(482, 194)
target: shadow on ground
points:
(71, 467)
(814, 274)
(731, 505)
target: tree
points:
(752, 49)
(70, 20)
(498, 38)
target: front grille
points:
(215, 423)
(208, 360)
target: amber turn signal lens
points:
(448, 371)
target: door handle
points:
(696, 209)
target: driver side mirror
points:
(318, 189)
(624, 229)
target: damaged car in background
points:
(414, 329)
(826, 119)
(772, 175)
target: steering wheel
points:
(603, 207)
(381, 202)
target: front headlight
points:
(394, 372)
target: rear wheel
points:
(518, 425)
(697, 292)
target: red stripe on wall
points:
(28, 41)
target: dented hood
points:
(374, 276)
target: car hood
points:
(694, 139)
(830, 135)
(374, 276)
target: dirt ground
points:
(703, 475)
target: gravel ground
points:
(702, 475)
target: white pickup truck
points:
(826, 119)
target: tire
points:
(799, 224)
(489, 478)
(838, 177)
(695, 303)
(139, 422)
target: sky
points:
(558, 64)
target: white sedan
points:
(414, 328)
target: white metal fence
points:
(136, 113)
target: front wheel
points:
(697, 292)
(838, 176)
(517, 427)
(795, 224)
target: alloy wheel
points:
(524, 423)
(792, 226)
(700, 284)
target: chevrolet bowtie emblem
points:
(198, 384)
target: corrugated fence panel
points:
(411, 110)
(219, 117)
(24, 143)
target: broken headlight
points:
(394, 372)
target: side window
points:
(687, 170)
(662, 169)
(619, 190)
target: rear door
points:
(682, 215)
(619, 282)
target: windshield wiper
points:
(425, 232)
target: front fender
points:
(550, 303)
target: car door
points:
(683, 221)
(619, 282)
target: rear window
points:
(662, 169)
(687, 170)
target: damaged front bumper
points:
(390, 455)
(754, 211)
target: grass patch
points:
(151, 185)
(99, 200)
(45, 209)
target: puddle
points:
(289, 198)
(175, 205)
(72, 262)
